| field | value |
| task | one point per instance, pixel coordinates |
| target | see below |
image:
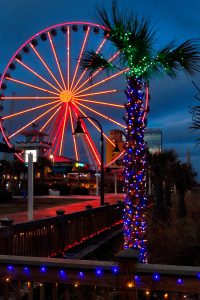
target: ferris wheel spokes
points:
(83, 73)
(74, 139)
(107, 138)
(31, 85)
(33, 121)
(63, 128)
(99, 114)
(95, 73)
(36, 74)
(45, 65)
(29, 110)
(56, 58)
(80, 55)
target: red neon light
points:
(63, 129)
(147, 102)
(87, 136)
(68, 56)
(74, 139)
(118, 156)
(112, 143)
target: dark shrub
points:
(5, 196)
(63, 188)
(41, 189)
(76, 190)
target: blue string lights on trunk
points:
(135, 170)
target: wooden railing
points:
(52, 236)
(86, 279)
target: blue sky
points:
(173, 20)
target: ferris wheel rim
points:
(36, 36)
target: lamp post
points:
(30, 158)
(79, 131)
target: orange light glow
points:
(66, 96)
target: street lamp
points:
(79, 131)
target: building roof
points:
(33, 132)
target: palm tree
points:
(185, 180)
(134, 39)
(162, 171)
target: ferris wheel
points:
(44, 84)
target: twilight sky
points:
(173, 20)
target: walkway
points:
(93, 200)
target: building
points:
(153, 138)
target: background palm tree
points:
(162, 171)
(185, 180)
(134, 38)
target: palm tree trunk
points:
(135, 170)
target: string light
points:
(135, 170)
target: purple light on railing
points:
(180, 281)
(62, 273)
(115, 269)
(26, 269)
(156, 276)
(137, 278)
(43, 269)
(99, 272)
(81, 274)
(10, 268)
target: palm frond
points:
(131, 35)
(195, 111)
(92, 62)
(184, 57)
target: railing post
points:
(127, 260)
